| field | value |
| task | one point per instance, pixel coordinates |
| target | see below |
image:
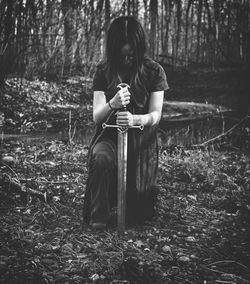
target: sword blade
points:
(122, 178)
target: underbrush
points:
(28, 106)
(225, 174)
(199, 235)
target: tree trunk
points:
(187, 31)
(178, 32)
(69, 33)
(9, 29)
(107, 14)
(128, 7)
(145, 2)
(210, 35)
(199, 30)
(135, 8)
(167, 23)
(216, 26)
(216, 18)
(153, 26)
(244, 9)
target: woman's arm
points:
(151, 118)
(102, 108)
(154, 112)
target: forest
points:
(48, 56)
(54, 38)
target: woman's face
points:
(126, 59)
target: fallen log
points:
(177, 111)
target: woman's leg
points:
(101, 178)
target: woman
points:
(125, 62)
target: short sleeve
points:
(99, 81)
(159, 80)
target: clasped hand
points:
(124, 118)
(120, 100)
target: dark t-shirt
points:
(153, 79)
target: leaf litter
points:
(200, 233)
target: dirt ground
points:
(200, 233)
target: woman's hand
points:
(121, 99)
(124, 118)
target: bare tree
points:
(199, 17)
(153, 25)
(187, 31)
(69, 13)
(38, 37)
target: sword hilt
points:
(121, 128)
(123, 86)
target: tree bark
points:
(145, 16)
(153, 26)
(69, 33)
(178, 32)
(167, 23)
(187, 31)
(107, 14)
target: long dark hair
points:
(123, 30)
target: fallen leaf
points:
(190, 239)
(184, 259)
(166, 249)
(139, 243)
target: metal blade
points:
(122, 177)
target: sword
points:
(122, 156)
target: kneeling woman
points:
(125, 62)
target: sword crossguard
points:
(120, 128)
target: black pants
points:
(102, 180)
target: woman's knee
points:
(103, 155)
(102, 159)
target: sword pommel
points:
(123, 85)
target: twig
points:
(213, 270)
(10, 169)
(225, 282)
(228, 261)
(222, 272)
(222, 134)
(223, 120)
(71, 136)
(74, 131)
(70, 127)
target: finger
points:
(121, 122)
(120, 94)
(127, 100)
(124, 99)
(127, 95)
(122, 115)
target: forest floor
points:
(200, 233)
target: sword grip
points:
(123, 86)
